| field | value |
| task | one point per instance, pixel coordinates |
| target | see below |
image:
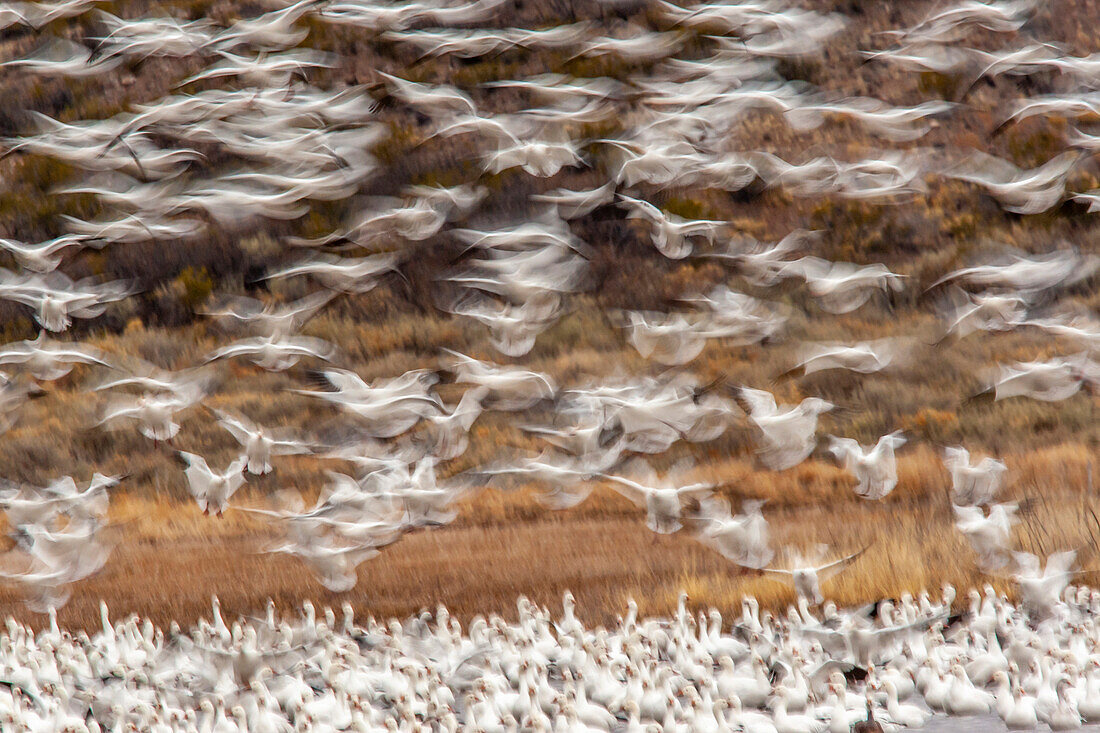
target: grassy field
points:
(170, 559)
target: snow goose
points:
(437, 99)
(1052, 380)
(46, 256)
(806, 576)
(1041, 588)
(212, 490)
(1018, 273)
(1019, 711)
(510, 388)
(788, 723)
(259, 445)
(47, 359)
(671, 234)
(274, 353)
(909, 716)
(876, 469)
(743, 539)
(513, 329)
(963, 698)
(762, 264)
(268, 319)
(973, 483)
(964, 312)
(839, 716)
(990, 536)
(575, 204)
(865, 357)
(541, 158)
(1065, 715)
(662, 498)
(1088, 693)
(450, 431)
(842, 287)
(1019, 191)
(388, 407)
(56, 299)
(788, 432)
(62, 57)
(348, 274)
(154, 413)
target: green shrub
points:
(196, 285)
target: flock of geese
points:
(883, 667)
(888, 665)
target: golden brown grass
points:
(171, 559)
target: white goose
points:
(662, 498)
(875, 469)
(210, 489)
(259, 444)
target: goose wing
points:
(834, 567)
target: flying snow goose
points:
(450, 430)
(212, 490)
(1053, 380)
(1019, 191)
(47, 359)
(575, 204)
(667, 338)
(348, 274)
(743, 539)
(509, 388)
(789, 432)
(46, 256)
(274, 353)
(973, 484)
(1024, 273)
(806, 575)
(662, 498)
(154, 412)
(57, 300)
(671, 234)
(269, 319)
(990, 536)
(842, 287)
(875, 468)
(258, 443)
(965, 313)
(865, 357)
(1041, 587)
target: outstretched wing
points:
(632, 490)
(241, 429)
(197, 472)
(235, 472)
(755, 402)
(831, 569)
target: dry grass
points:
(171, 559)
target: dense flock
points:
(883, 667)
(289, 144)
